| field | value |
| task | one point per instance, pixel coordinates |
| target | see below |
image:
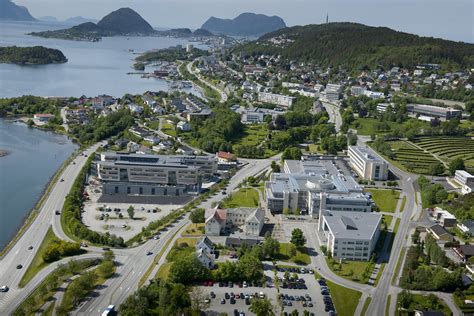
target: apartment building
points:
(315, 186)
(332, 93)
(138, 174)
(366, 164)
(351, 235)
(278, 99)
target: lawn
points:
(421, 302)
(388, 219)
(254, 135)
(168, 129)
(386, 200)
(195, 229)
(345, 300)
(38, 264)
(404, 201)
(245, 197)
(369, 126)
(366, 305)
(398, 266)
(350, 270)
(301, 256)
(154, 125)
(164, 271)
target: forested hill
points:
(246, 24)
(358, 46)
(36, 55)
(10, 11)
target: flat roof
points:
(352, 225)
(365, 153)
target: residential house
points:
(464, 252)
(444, 218)
(205, 252)
(183, 126)
(440, 233)
(467, 226)
(248, 220)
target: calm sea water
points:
(92, 68)
(34, 157)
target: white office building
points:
(465, 179)
(251, 117)
(311, 186)
(139, 174)
(351, 235)
(278, 99)
(366, 164)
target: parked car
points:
(4, 288)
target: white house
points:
(183, 126)
(465, 179)
(205, 252)
(249, 220)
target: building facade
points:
(312, 186)
(249, 220)
(278, 99)
(138, 174)
(350, 235)
(366, 164)
(465, 179)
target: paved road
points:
(19, 253)
(334, 114)
(207, 83)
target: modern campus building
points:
(351, 235)
(278, 99)
(249, 220)
(137, 174)
(312, 186)
(366, 164)
(332, 92)
(432, 111)
(465, 179)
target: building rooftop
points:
(353, 225)
(365, 153)
(113, 158)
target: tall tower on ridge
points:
(327, 18)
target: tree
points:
(292, 153)
(197, 298)
(297, 237)
(436, 168)
(250, 268)
(275, 167)
(271, 247)
(456, 164)
(179, 298)
(291, 250)
(405, 298)
(131, 212)
(261, 307)
(187, 270)
(197, 216)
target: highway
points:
(334, 115)
(34, 235)
(210, 85)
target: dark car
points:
(232, 300)
(247, 301)
(19, 266)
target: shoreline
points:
(30, 216)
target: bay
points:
(92, 68)
(34, 156)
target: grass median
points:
(366, 305)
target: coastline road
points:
(34, 235)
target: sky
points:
(449, 19)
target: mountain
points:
(78, 20)
(202, 33)
(246, 24)
(358, 46)
(13, 12)
(123, 21)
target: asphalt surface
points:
(34, 235)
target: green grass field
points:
(245, 197)
(254, 135)
(351, 270)
(366, 305)
(449, 148)
(369, 126)
(386, 200)
(345, 300)
(38, 264)
(301, 256)
(164, 271)
(168, 129)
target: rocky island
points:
(122, 22)
(36, 55)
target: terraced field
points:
(412, 158)
(449, 148)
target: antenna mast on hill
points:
(327, 18)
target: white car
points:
(4, 288)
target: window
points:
(116, 190)
(140, 190)
(128, 190)
(152, 191)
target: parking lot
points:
(237, 299)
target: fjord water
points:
(92, 68)
(34, 156)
